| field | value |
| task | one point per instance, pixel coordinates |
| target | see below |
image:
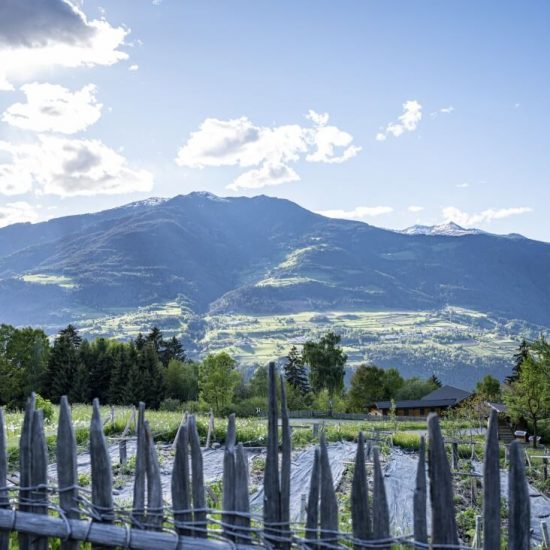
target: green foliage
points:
(295, 371)
(218, 378)
(323, 401)
(46, 405)
(170, 404)
(489, 388)
(326, 361)
(182, 380)
(23, 361)
(367, 386)
(415, 388)
(529, 396)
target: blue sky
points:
(436, 110)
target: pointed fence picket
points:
(190, 525)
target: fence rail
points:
(38, 511)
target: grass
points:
(164, 425)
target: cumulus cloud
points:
(17, 212)
(453, 214)
(53, 108)
(268, 174)
(133, 67)
(415, 209)
(358, 213)
(39, 34)
(69, 167)
(240, 142)
(407, 122)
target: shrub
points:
(46, 405)
(171, 405)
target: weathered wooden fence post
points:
(4, 497)
(360, 513)
(242, 502)
(491, 487)
(138, 508)
(210, 435)
(67, 474)
(286, 462)
(25, 464)
(272, 492)
(329, 504)
(228, 499)
(180, 484)
(380, 512)
(519, 514)
(420, 497)
(102, 474)
(312, 518)
(154, 487)
(441, 488)
(545, 534)
(39, 474)
(454, 447)
(545, 468)
(199, 500)
(122, 454)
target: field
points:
(458, 345)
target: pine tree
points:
(435, 381)
(519, 358)
(295, 371)
(63, 364)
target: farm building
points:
(437, 401)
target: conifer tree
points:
(295, 371)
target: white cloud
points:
(17, 212)
(133, 67)
(239, 142)
(408, 121)
(69, 167)
(453, 214)
(358, 212)
(53, 108)
(268, 174)
(443, 111)
(36, 35)
(415, 209)
(464, 185)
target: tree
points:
(182, 380)
(519, 357)
(415, 388)
(63, 364)
(529, 396)
(489, 388)
(171, 349)
(435, 381)
(367, 386)
(218, 378)
(23, 361)
(326, 361)
(295, 371)
(393, 382)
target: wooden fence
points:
(37, 511)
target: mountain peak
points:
(449, 229)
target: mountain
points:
(259, 255)
(452, 229)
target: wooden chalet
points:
(437, 401)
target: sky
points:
(389, 112)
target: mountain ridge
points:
(258, 255)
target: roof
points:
(416, 404)
(499, 407)
(447, 392)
